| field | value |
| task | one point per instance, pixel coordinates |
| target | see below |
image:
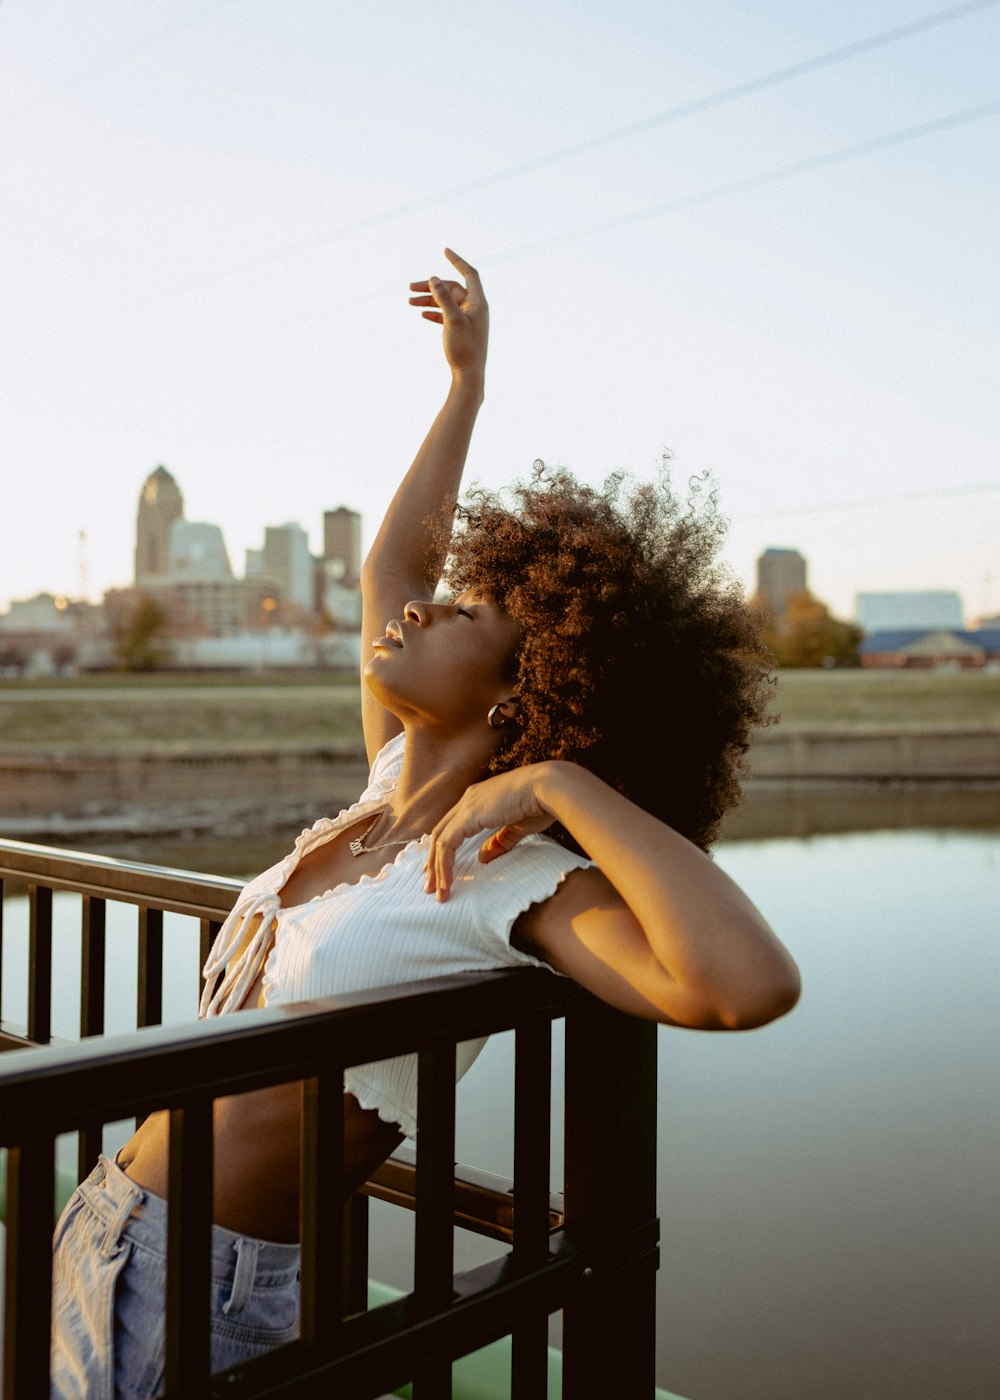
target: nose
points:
(419, 612)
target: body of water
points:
(827, 1185)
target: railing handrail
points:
(135, 1072)
(132, 882)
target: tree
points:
(139, 638)
(808, 634)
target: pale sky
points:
(193, 271)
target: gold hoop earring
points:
(496, 719)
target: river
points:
(827, 1185)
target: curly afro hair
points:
(639, 657)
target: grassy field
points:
(209, 713)
(816, 699)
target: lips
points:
(391, 638)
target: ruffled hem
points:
(371, 1098)
(543, 886)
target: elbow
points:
(769, 999)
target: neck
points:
(436, 772)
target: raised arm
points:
(405, 562)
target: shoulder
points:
(586, 931)
(489, 898)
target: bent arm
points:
(657, 930)
(406, 558)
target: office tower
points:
(342, 545)
(288, 563)
(160, 504)
(781, 573)
(197, 551)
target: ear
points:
(504, 712)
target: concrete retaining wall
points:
(878, 753)
(34, 785)
(59, 784)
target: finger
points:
(447, 845)
(466, 269)
(456, 288)
(441, 292)
(433, 316)
(422, 301)
(500, 843)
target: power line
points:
(750, 182)
(862, 503)
(655, 211)
(671, 114)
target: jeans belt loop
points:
(243, 1276)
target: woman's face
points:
(445, 662)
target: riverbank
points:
(240, 758)
(271, 783)
(215, 714)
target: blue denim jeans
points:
(109, 1292)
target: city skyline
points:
(725, 233)
(779, 571)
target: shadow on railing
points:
(592, 1254)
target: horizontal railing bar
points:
(157, 886)
(383, 1346)
(118, 1076)
(483, 1203)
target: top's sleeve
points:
(504, 888)
(385, 769)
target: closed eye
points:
(464, 612)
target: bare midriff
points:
(257, 1136)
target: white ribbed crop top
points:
(382, 930)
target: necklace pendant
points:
(357, 846)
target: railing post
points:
(149, 998)
(189, 1249)
(434, 1243)
(532, 1149)
(92, 968)
(322, 1212)
(207, 932)
(28, 1269)
(39, 964)
(609, 1330)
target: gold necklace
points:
(357, 847)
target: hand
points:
(463, 313)
(510, 806)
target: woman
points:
(593, 679)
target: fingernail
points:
(434, 281)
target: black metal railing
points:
(592, 1254)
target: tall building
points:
(781, 573)
(342, 545)
(288, 563)
(160, 504)
(197, 551)
(930, 610)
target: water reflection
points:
(769, 810)
(811, 809)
